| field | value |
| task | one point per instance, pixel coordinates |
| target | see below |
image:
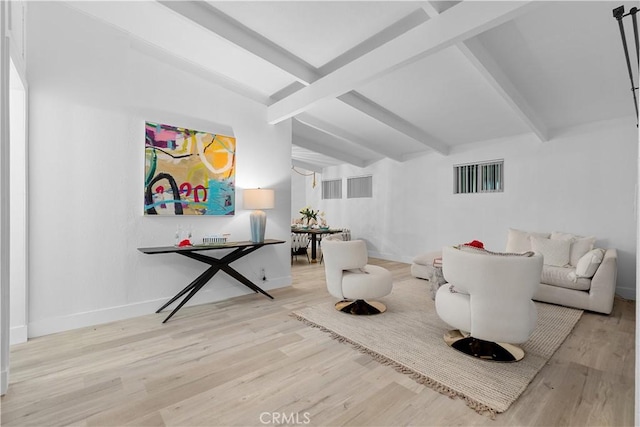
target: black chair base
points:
(360, 307)
(485, 350)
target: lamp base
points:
(258, 225)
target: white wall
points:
(4, 199)
(90, 93)
(637, 383)
(313, 197)
(298, 192)
(582, 181)
(18, 208)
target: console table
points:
(240, 249)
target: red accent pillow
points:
(475, 244)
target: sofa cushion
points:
(559, 235)
(580, 245)
(555, 252)
(564, 277)
(519, 241)
(589, 263)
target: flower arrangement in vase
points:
(312, 217)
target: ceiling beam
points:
(340, 133)
(225, 26)
(478, 56)
(430, 8)
(284, 92)
(303, 136)
(391, 32)
(385, 116)
(484, 63)
(459, 23)
(359, 102)
(235, 32)
(335, 154)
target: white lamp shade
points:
(259, 198)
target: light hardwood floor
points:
(246, 362)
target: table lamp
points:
(258, 199)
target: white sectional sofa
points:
(574, 274)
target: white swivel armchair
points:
(488, 300)
(351, 279)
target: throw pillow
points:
(475, 244)
(579, 245)
(557, 235)
(519, 241)
(589, 263)
(554, 252)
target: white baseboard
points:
(4, 382)
(626, 293)
(18, 334)
(391, 257)
(110, 314)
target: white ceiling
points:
(368, 80)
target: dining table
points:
(316, 235)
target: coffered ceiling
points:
(366, 80)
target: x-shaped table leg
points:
(216, 265)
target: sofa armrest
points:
(603, 283)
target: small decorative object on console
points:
(215, 239)
(183, 236)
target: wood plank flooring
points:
(246, 362)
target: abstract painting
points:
(188, 172)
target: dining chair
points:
(299, 246)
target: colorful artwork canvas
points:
(188, 172)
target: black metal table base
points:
(216, 264)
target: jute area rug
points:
(408, 336)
